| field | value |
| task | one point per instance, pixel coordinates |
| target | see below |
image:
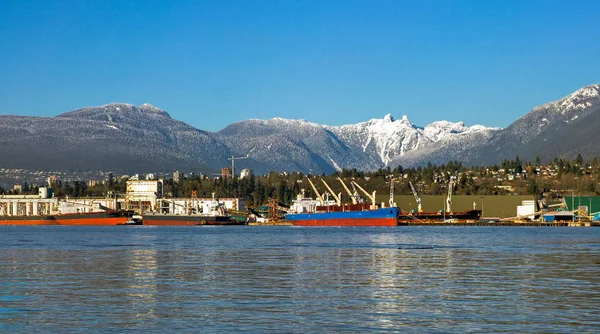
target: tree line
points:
(529, 178)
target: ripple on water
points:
(254, 279)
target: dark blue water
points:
(288, 279)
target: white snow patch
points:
(335, 165)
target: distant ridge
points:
(125, 137)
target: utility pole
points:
(482, 206)
(233, 163)
(573, 204)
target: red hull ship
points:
(107, 218)
(358, 215)
(27, 220)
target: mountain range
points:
(125, 138)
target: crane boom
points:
(319, 196)
(352, 196)
(371, 197)
(338, 198)
(417, 198)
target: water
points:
(288, 279)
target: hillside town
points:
(550, 183)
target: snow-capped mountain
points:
(116, 136)
(387, 139)
(528, 136)
(124, 137)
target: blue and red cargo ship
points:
(352, 216)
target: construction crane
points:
(319, 196)
(350, 194)
(338, 197)
(371, 197)
(417, 198)
(449, 198)
(233, 163)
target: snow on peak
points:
(147, 107)
(388, 138)
(444, 129)
(579, 100)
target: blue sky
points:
(211, 63)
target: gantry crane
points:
(417, 198)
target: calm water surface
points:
(289, 279)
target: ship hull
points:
(93, 219)
(470, 215)
(176, 220)
(27, 220)
(378, 217)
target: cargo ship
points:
(104, 218)
(323, 212)
(27, 220)
(195, 212)
(166, 219)
(441, 216)
(83, 219)
(353, 217)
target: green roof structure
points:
(574, 202)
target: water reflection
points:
(290, 279)
(141, 283)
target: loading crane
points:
(449, 198)
(353, 196)
(338, 197)
(417, 198)
(355, 192)
(371, 197)
(319, 196)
